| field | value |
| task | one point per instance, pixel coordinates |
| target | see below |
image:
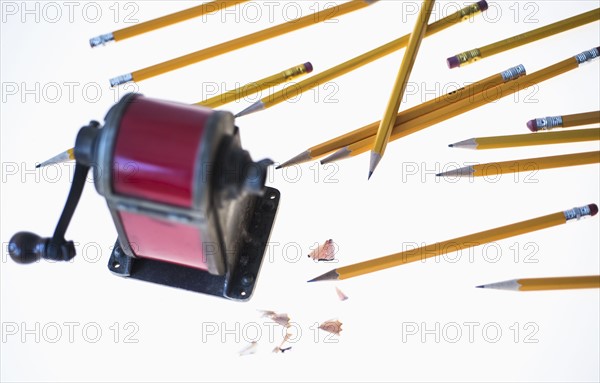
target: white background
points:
(182, 336)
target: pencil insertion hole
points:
(116, 265)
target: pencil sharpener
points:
(190, 207)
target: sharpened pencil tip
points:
(480, 287)
(467, 171)
(370, 174)
(451, 145)
(256, 107)
(375, 158)
(328, 276)
(278, 167)
(38, 166)
(340, 154)
(300, 158)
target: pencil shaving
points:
(281, 319)
(324, 253)
(340, 294)
(250, 349)
(332, 327)
(278, 349)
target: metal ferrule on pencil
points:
(468, 57)
(514, 73)
(295, 71)
(587, 56)
(549, 123)
(578, 212)
(471, 10)
(101, 40)
(115, 81)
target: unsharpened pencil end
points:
(453, 62)
(593, 209)
(101, 40)
(328, 276)
(308, 67)
(120, 80)
(531, 125)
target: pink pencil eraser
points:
(593, 209)
(532, 125)
(453, 62)
(483, 5)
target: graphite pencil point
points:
(375, 159)
(328, 276)
(460, 172)
(65, 156)
(471, 143)
(256, 107)
(340, 154)
(300, 158)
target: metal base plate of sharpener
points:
(237, 284)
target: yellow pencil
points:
(462, 106)
(566, 121)
(163, 21)
(408, 61)
(524, 165)
(529, 139)
(422, 109)
(257, 86)
(221, 99)
(241, 42)
(364, 59)
(541, 284)
(473, 55)
(459, 243)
